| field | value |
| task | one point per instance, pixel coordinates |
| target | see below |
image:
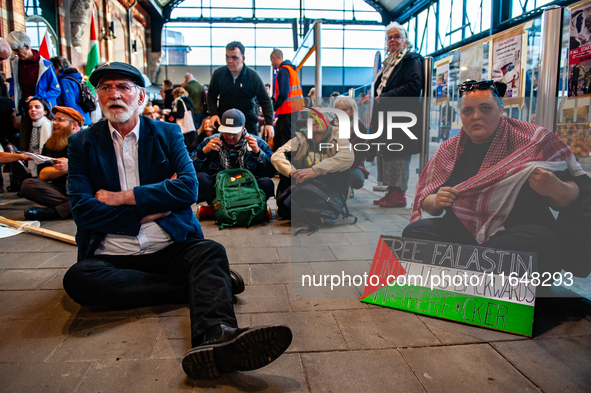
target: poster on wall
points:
(507, 64)
(442, 75)
(471, 63)
(579, 53)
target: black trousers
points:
(527, 238)
(193, 271)
(282, 130)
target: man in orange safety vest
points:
(288, 97)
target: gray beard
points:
(121, 117)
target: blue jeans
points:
(191, 271)
(207, 187)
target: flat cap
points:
(73, 113)
(117, 67)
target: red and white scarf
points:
(486, 199)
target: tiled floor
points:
(50, 344)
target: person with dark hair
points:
(69, 77)
(237, 87)
(166, 94)
(35, 129)
(131, 185)
(496, 181)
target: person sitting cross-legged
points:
(233, 147)
(131, 184)
(49, 189)
(496, 180)
(325, 156)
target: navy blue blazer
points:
(92, 165)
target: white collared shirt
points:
(151, 237)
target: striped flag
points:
(92, 60)
(45, 48)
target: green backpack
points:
(239, 200)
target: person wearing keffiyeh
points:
(233, 147)
(496, 181)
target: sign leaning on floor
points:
(481, 286)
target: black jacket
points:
(406, 81)
(239, 94)
(180, 109)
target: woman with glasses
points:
(401, 76)
(495, 181)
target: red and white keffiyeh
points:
(486, 199)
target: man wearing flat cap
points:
(49, 189)
(131, 185)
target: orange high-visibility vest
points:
(295, 99)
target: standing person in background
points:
(401, 76)
(70, 90)
(166, 94)
(237, 87)
(182, 103)
(288, 97)
(195, 91)
(32, 75)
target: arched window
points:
(36, 26)
(37, 12)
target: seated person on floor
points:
(358, 171)
(495, 181)
(233, 147)
(50, 188)
(132, 185)
(324, 157)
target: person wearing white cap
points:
(233, 147)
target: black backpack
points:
(314, 202)
(86, 100)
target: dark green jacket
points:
(195, 91)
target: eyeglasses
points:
(394, 37)
(62, 119)
(106, 89)
(499, 88)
